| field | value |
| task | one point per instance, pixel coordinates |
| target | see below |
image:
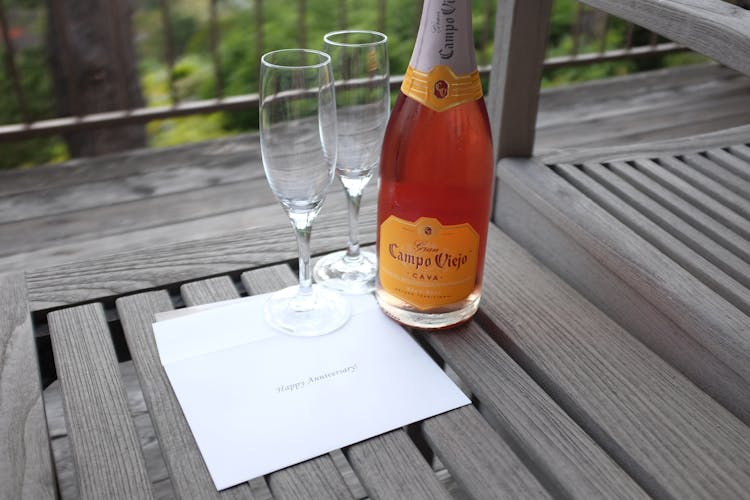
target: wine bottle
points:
(436, 175)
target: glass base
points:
(346, 275)
(316, 314)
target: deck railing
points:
(30, 127)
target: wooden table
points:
(566, 403)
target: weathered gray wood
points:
(591, 277)
(731, 160)
(567, 461)
(741, 151)
(647, 149)
(622, 274)
(81, 223)
(640, 219)
(146, 185)
(728, 179)
(478, 459)
(215, 153)
(518, 52)
(673, 438)
(700, 254)
(648, 123)
(703, 183)
(316, 478)
(719, 228)
(106, 450)
(43, 250)
(714, 28)
(137, 270)
(25, 455)
(687, 197)
(390, 466)
(187, 470)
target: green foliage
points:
(239, 53)
(39, 99)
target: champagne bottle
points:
(436, 175)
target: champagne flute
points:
(360, 68)
(298, 145)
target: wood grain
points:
(479, 459)
(390, 466)
(714, 28)
(106, 450)
(171, 264)
(687, 196)
(25, 455)
(714, 265)
(711, 323)
(590, 276)
(519, 46)
(720, 224)
(187, 470)
(671, 437)
(559, 453)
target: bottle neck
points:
(445, 37)
(443, 72)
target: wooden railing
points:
(29, 127)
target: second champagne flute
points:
(360, 68)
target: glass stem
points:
(354, 201)
(303, 230)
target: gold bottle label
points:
(427, 264)
(441, 88)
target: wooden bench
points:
(609, 357)
(656, 235)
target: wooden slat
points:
(638, 124)
(652, 210)
(137, 188)
(672, 438)
(390, 466)
(138, 270)
(478, 459)
(656, 299)
(703, 183)
(106, 450)
(597, 185)
(25, 456)
(714, 171)
(187, 471)
(567, 461)
(62, 243)
(648, 149)
(731, 161)
(741, 151)
(688, 196)
(518, 53)
(316, 478)
(714, 28)
(717, 222)
(218, 153)
(97, 221)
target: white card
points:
(257, 400)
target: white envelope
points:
(257, 400)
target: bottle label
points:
(440, 88)
(427, 264)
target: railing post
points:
(521, 29)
